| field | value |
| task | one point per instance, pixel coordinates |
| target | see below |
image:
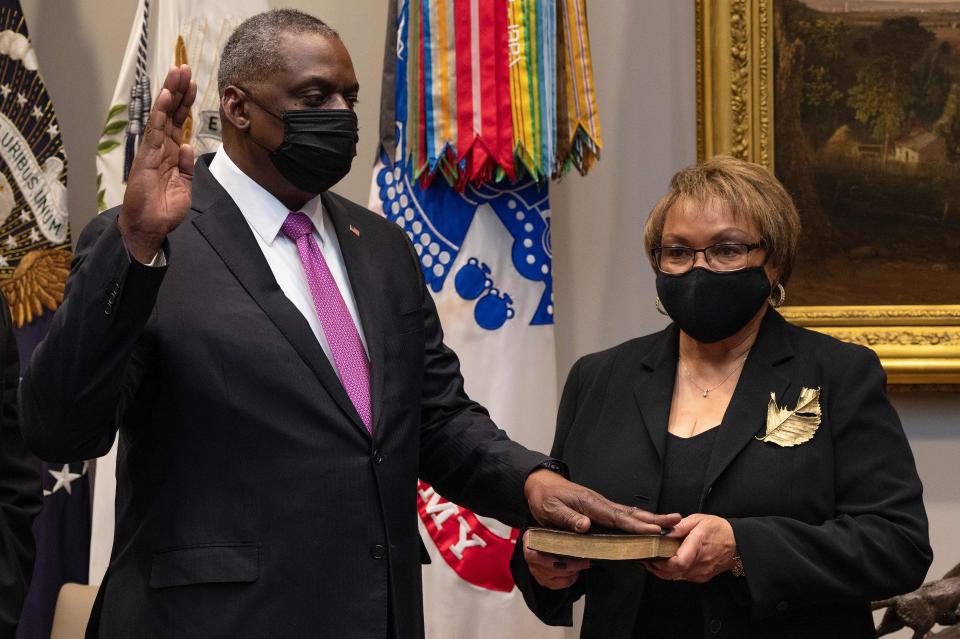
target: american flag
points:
(34, 256)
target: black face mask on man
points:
(318, 146)
(710, 306)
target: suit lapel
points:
(367, 292)
(747, 412)
(222, 224)
(654, 387)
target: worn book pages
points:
(601, 546)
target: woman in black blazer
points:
(799, 492)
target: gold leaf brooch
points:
(792, 427)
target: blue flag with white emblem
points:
(34, 263)
(487, 260)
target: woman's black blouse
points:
(673, 608)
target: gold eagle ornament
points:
(787, 427)
(37, 284)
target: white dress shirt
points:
(265, 214)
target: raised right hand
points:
(551, 571)
(159, 186)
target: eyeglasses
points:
(720, 257)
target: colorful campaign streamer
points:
(578, 119)
(532, 51)
(496, 90)
(484, 123)
(439, 75)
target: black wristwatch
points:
(556, 466)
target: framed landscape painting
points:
(855, 106)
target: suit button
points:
(377, 457)
(715, 625)
(377, 551)
(783, 606)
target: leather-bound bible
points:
(601, 545)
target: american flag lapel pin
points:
(355, 230)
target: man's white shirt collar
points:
(263, 211)
(265, 214)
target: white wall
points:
(644, 63)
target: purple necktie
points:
(338, 326)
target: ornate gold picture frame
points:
(918, 345)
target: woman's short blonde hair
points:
(749, 191)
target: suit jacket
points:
(20, 489)
(251, 500)
(822, 528)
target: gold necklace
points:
(706, 391)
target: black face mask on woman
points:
(710, 306)
(318, 146)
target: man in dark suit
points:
(20, 494)
(276, 371)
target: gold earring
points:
(660, 308)
(782, 296)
